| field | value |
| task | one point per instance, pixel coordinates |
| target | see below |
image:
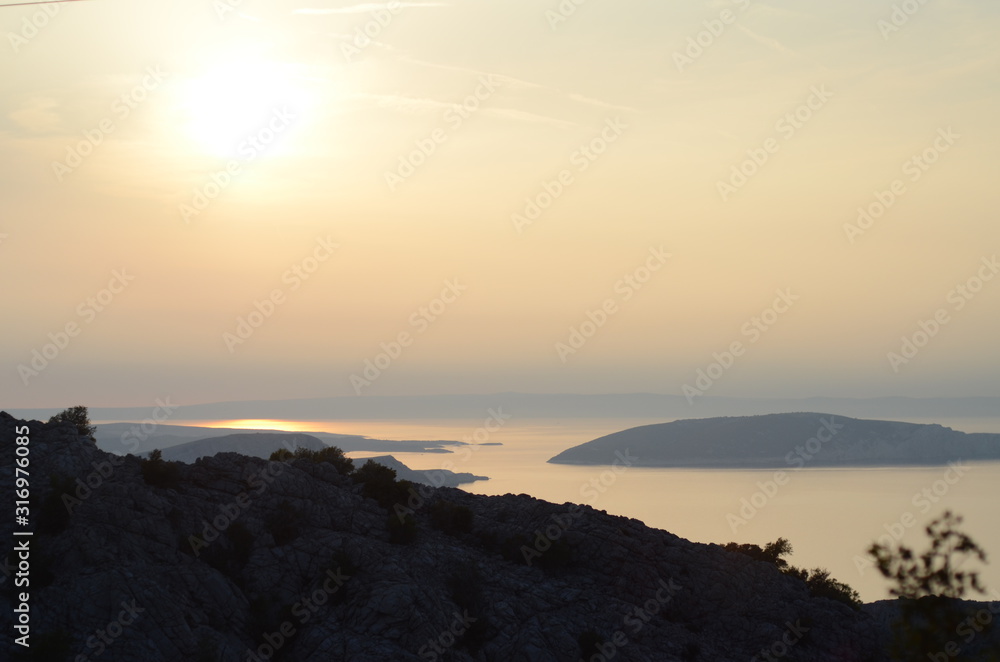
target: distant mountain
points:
(544, 405)
(434, 477)
(138, 438)
(254, 444)
(783, 440)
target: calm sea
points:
(829, 515)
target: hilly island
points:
(795, 440)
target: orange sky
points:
(297, 199)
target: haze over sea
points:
(829, 515)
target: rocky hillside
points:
(784, 440)
(235, 558)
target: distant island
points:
(263, 444)
(783, 440)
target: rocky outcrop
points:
(236, 558)
(783, 441)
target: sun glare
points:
(242, 106)
(261, 424)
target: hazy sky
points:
(386, 183)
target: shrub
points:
(465, 585)
(381, 485)
(242, 540)
(931, 586)
(590, 644)
(402, 530)
(158, 472)
(331, 455)
(284, 523)
(281, 455)
(55, 646)
(53, 516)
(450, 518)
(818, 581)
(335, 456)
(79, 417)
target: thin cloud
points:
(770, 42)
(522, 116)
(423, 104)
(518, 83)
(365, 8)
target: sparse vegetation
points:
(285, 522)
(54, 646)
(79, 417)
(242, 540)
(402, 529)
(590, 644)
(380, 484)
(53, 516)
(818, 580)
(450, 518)
(158, 472)
(332, 455)
(931, 584)
(466, 588)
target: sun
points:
(239, 105)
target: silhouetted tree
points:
(931, 585)
(818, 580)
(79, 417)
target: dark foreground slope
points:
(783, 440)
(291, 557)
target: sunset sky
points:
(168, 169)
